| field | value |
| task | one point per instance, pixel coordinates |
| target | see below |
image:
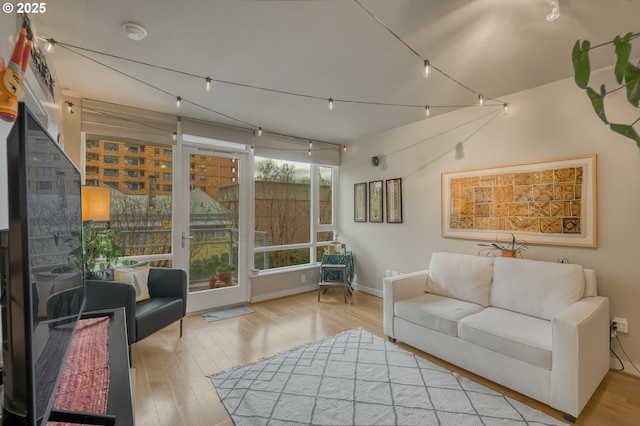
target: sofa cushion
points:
(461, 276)
(540, 289)
(519, 336)
(436, 312)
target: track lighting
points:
(427, 68)
(178, 102)
(207, 84)
(69, 106)
(505, 108)
(259, 131)
(481, 99)
(175, 136)
(427, 111)
(330, 104)
(344, 148)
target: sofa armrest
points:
(400, 287)
(580, 358)
(169, 282)
(102, 295)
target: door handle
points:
(186, 237)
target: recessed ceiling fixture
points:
(555, 10)
(134, 31)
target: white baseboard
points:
(285, 293)
(369, 290)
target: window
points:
(43, 171)
(40, 142)
(110, 146)
(156, 151)
(135, 186)
(167, 153)
(166, 176)
(44, 186)
(167, 188)
(192, 177)
(92, 170)
(156, 163)
(167, 164)
(140, 211)
(203, 178)
(203, 157)
(42, 156)
(203, 167)
(93, 143)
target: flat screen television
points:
(42, 285)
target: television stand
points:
(119, 400)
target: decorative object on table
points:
(11, 76)
(394, 200)
(551, 201)
(513, 248)
(360, 202)
(376, 196)
(358, 378)
(224, 313)
(626, 73)
(224, 272)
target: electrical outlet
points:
(303, 278)
(622, 326)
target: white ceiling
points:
(321, 48)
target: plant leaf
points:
(632, 79)
(581, 65)
(623, 52)
(597, 100)
(626, 130)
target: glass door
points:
(212, 241)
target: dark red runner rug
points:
(84, 385)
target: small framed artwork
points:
(394, 200)
(376, 195)
(360, 202)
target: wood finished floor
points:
(171, 387)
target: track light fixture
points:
(207, 84)
(427, 68)
(69, 106)
(481, 100)
(50, 45)
(427, 111)
(259, 131)
(178, 101)
(330, 104)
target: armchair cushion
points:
(136, 275)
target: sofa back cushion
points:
(539, 289)
(461, 276)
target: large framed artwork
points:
(394, 200)
(360, 202)
(375, 201)
(544, 202)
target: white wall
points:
(555, 120)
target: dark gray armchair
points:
(168, 303)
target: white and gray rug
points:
(224, 313)
(356, 378)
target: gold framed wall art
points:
(394, 200)
(376, 194)
(360, 202)
(544, 202)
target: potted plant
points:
(100, 248)
(514, 248)
(224, 272)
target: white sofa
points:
(538, 328)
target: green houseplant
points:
(513, 248)
(100, 248)
(224, 272)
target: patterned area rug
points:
(358, 378)
(220, 314)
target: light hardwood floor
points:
(171, 387)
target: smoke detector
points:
(134, 31)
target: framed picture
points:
(394, 200)
(376, 196)
(360, 202)
(544, 202)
